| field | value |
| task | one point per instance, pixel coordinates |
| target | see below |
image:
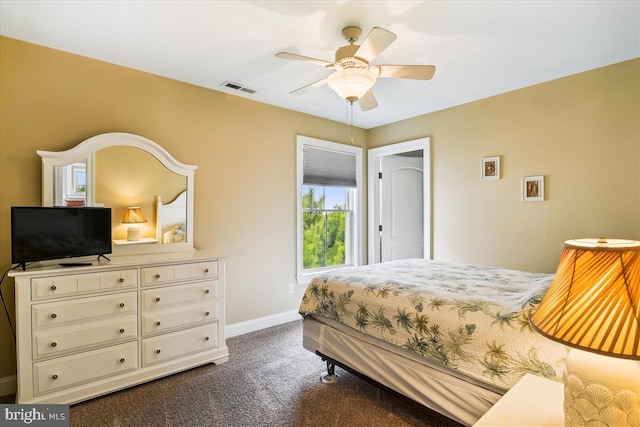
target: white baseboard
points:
(253, 325)
(8, 385)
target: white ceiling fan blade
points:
(376, 41)
(417, 72)
(296, 57)
(309, 87)
(367, 101)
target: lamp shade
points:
(593, 303)
(352, 83)
(133, 216)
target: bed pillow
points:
(177, 234)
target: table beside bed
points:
(533, 402)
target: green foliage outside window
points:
(323, 231)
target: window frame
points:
(349, 213)
(353, 240)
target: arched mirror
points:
(122, 171)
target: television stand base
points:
(74, 264)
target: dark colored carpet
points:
(270, 380)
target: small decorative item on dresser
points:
(491, 168)
(133, 217)
(533, 189)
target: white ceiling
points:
(480, 48)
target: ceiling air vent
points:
(236, 86)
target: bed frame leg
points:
(330, 376)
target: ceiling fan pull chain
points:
(351, 125)
(346, 112)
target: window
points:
(71, 184)
(325, 221)
(328, 206)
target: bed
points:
(452, 337)
(171, 219)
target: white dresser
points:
(90, 330)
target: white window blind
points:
(328, 168)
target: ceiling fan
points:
(355, 76)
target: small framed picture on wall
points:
(533, 189)
(490, 168)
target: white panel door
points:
(401, 208)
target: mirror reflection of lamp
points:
(133, 216)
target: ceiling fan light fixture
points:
(352, 83)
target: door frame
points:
(373, 163)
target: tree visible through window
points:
(328, 206)
(325, 219)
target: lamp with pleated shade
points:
(593, 306)
(133, 217)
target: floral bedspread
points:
(472, 319)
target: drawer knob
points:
(206, 270)
(122, 360)
(53, 287)
(54, 377)
(206, 313)
(121, 280)
(207, 291)
(53, 315)
(157, 276)
(121, 330)
(121, 305)
(53, 344)
(157, 299)
(206, 338)
(158, 323)
(158, 351)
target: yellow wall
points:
(581, 132)
(245, 152)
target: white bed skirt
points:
(442, 390)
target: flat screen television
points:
(48, 233)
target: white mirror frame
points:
(85, 152)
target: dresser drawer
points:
(203, 269)
(62, 372)
(160, 320)
(57, 286)
(171, 273)
(52, 341)
(170, 346)
(90, 308)
(162, 297)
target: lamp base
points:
(133, 233)
(601, 390)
